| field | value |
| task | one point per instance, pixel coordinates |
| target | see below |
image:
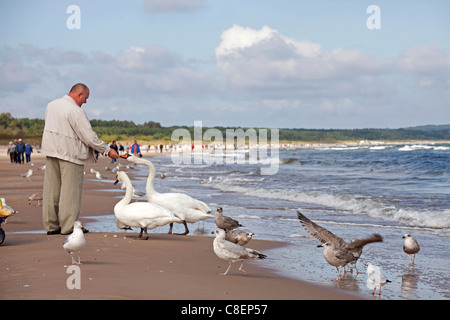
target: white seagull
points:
(144, 215)
(231, 252)
(75, 241)
(411, 247)
(188, 209)
(27, 174)
(375, 278)
(99, 176)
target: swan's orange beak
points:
(125, 156)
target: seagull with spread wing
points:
(337, 252)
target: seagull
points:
(27, 174)
(337, 256)
(207, 181)
(75, 241)
(35, 197)
(99, 176)
(239, 236)
(224, 222)
(231, 252)
(411, 247)
(375, 278)
(336, 244)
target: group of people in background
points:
(134, 148)
(19, 152)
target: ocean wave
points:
(416, 147)
(354, 204)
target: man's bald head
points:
(79, 93)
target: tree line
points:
(11, 127)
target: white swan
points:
(188, 209)
(142, 215)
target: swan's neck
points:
(128, 194)
(149, 189)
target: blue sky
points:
(277, 64)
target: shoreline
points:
(118, 265)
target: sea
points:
(351, 190)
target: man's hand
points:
(113, 154)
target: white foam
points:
(354, 204)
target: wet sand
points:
(120, 265)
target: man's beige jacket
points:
(68, 135)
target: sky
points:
(251, 63)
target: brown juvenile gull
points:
(231, 252)
(224, 222)
(239, 236)
(337, 256)
(75, 241)
(411, 247)
(354, 247)
(35, 197)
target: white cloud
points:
(261, 78)
(248, 57)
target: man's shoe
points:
(49, 233)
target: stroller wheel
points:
(2, 235)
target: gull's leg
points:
(225, 273)
(242, 270)
(73, 260)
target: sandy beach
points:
(120, 265)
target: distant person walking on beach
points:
(135, 149)
(114, 146)
(68, 142)
(28, 151)
(20, 150)
(12, 152)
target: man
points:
(12, 152)
(28, 151)
(114, 146)
(135, 149)
(20, 150)
(68, 142)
